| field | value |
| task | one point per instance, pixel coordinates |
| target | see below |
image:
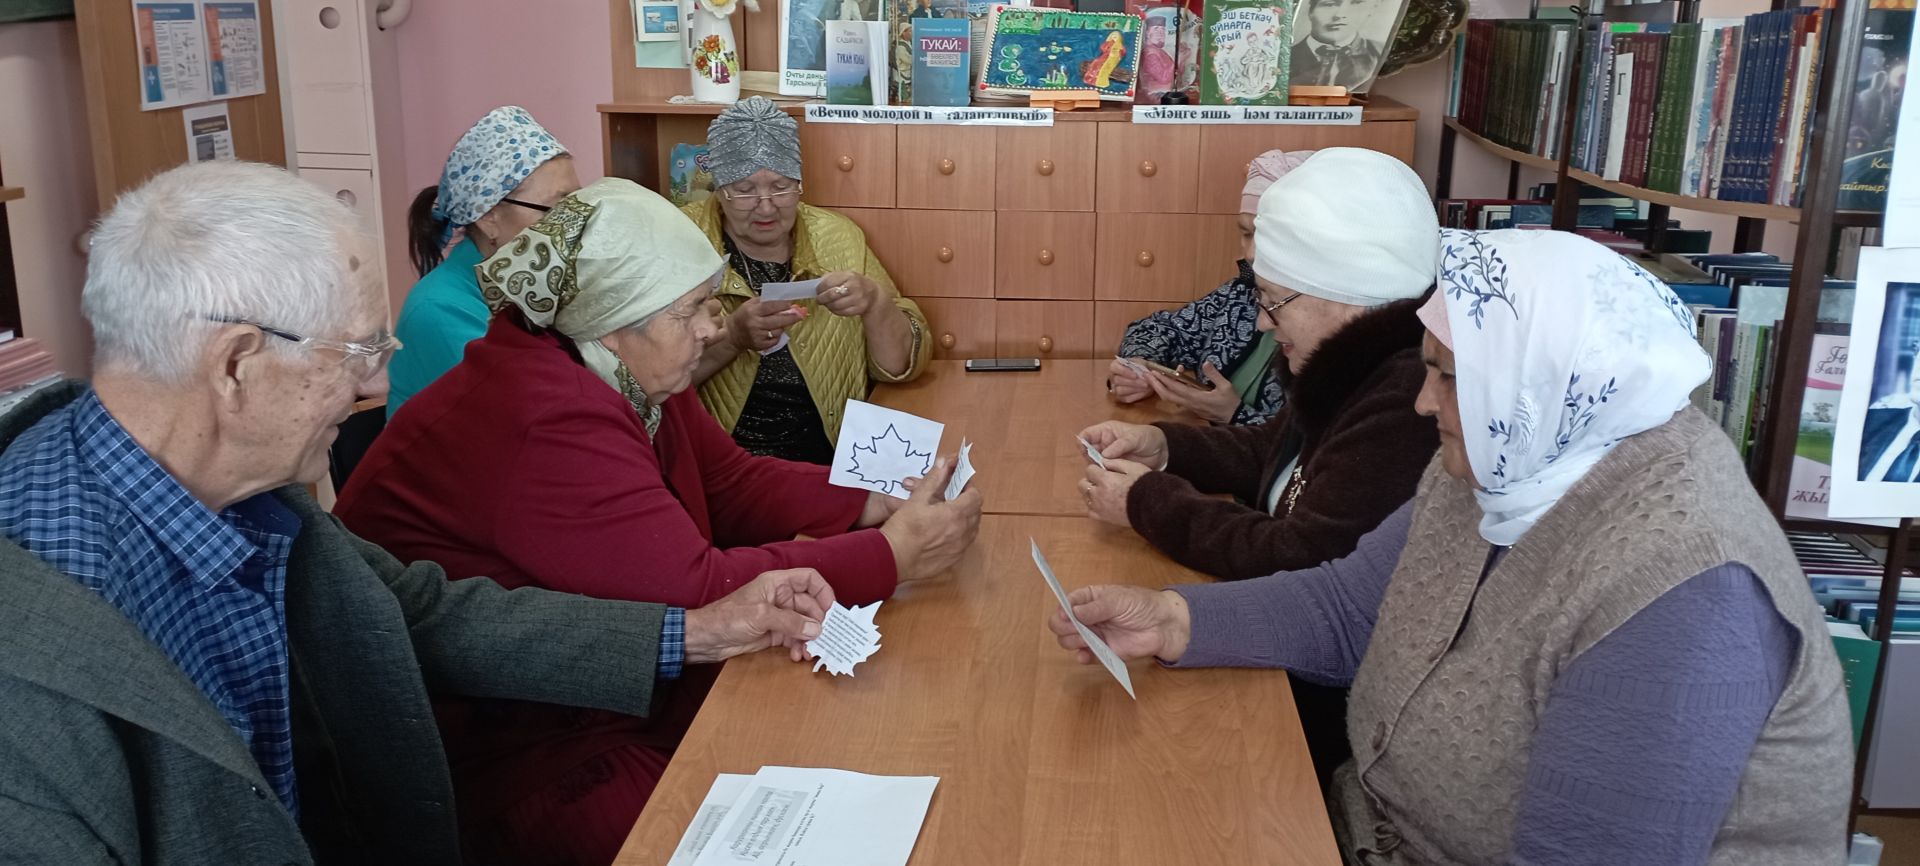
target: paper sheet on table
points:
(962, 471)
(1100, 649)
(795, 816)
(881, 447)
(727, 787)
(847, 638)
(804, 290)
(1092, 452)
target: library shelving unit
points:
(9, 283)
(1818, 224)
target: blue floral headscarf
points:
(490, 160)
(1562, 348)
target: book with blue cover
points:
(942, 48)
(1035, 49)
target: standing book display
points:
(1032, 49)
(1246, 46)
(941, 51)
(901, 17)
(857, 62)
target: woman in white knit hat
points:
(568, 451)
(1343, 250)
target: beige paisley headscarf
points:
(603, 259)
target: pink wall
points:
(44, 146)
(460, 59)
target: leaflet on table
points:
(880, 448)
(796, 816)
(1099, 647)
(727, 787)
(929, 114)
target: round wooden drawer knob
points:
(945, 255)
(1145, 258)
(946, 341)
(1046, 257)
(846, 163)
(1148, 169)
(1045, 168)
(1046, 345)
(947, 166)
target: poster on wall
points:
(657, 21)
(173, 54)
(1876, 442)
(209, 132)
(236, 56)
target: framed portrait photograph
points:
(1342, 43)
(1876, 440)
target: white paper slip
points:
(794, 816)
(847, 638)
(727, 787)
(1100, 649)
(777, 345)
(1092, 452)
(962, 471)
(804, 290)
(881, 447)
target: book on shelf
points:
(1859, 661)
(1510, 88)
(942, 52)
(857, 62)
(1878, 86)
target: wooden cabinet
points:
(1147, 257)
(945, 167)
(1226, 150)
(1043, 254)
(1219, 251)
(1043, 329)
(1149, 169)
(938, 253)
(1046, 169)
(1111, 318)
(960, 327)
(847, 165)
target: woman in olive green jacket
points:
(780, 376)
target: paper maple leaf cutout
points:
(887, 459)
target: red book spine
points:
(1646, 90)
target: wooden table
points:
(1022, 427)
(1042, 761)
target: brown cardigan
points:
(1349, 414)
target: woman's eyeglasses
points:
(1272, 311)
(752, 200)
(528, 205)
(363, 359)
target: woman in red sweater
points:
(565, 451)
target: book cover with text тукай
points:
(941, 55)
(857, 62)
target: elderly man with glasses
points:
(197, 664)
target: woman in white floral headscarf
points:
(1595, 646)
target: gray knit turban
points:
(750, 135)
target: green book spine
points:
(1676, 91)
(1859, 659)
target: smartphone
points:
(1002, 365)
(1182, 376)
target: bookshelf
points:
(1817, 225)
(9, 281)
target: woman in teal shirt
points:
(502, 176)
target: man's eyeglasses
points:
(1272, 311)
(528, 205)
(363, 359)
(752, 200)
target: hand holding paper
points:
(847, 638)
(880, 447)
(962, 471)
(1098, 647)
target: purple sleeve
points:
(1643, 739)
(1314, 622)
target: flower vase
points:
(716, 61)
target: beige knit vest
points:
(1444, 707)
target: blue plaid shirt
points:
(208, 589)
